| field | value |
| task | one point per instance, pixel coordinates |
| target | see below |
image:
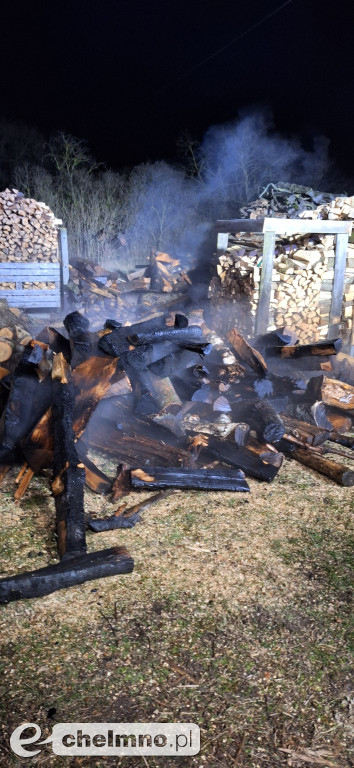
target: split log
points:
(68, 473)
(241, 434)
(92, 379)
(306, 433)
(198, 479)
(67, 573)
(246, 353)
(337, 393)
(340, 422)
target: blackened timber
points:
(80, 339)
(198, 479)
(92, 379)
(241, 458)
(116, 342)
(29, 398)
(126, 518)
(68, 476)
(191, 334)
(322, 348)
(246, 353)
(262, 417)
(67, 573)
(56, 341)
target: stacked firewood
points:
(92, 285)
(303, 271)
(177, 406)
(28, 229)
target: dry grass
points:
(237, 617)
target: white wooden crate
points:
(31, 272)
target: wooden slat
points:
(307, 226)
(239, 225)
(338, 285)
(284, 226)
(265, 284)
(29, 271)
(63, 246)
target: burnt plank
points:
(188, 478)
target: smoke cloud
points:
(234, 163)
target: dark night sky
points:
(110, 71)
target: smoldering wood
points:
(122, 485)
(80, 339)
(56, 341)
(68, 477)
(265, 451)
(319, 348)
(191, 334)
(240, 458)
(135, 448)
(246, 353)
(305, 432)
(28, 399)
(341, 422)
(92, 379)
(262, 417)
(188, 478)
(116, 342)
(241, 434)
(67, 573)
(126, 518)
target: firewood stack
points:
(303, 267)
(28, 231)
(91, 285)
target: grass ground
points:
(238, 617)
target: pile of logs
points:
(28, 230)
(159, 281)
(303, 270)
(177, 406)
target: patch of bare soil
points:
(238, 617)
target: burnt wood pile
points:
(177, 407)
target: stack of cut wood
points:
(303, 271)
(28, 229)
(92, 285)
(178, 407)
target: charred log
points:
(67, 573)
